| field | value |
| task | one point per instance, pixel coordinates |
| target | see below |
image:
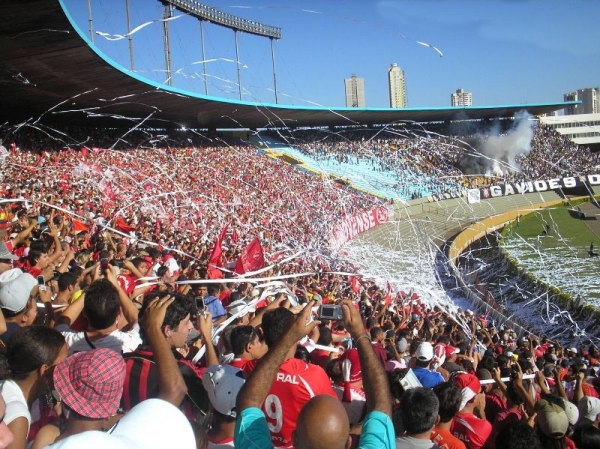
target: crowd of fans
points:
(124, 323)
(442, 158)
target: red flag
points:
(388, 296)
(355, 284)
(122, 226)
(251, 259)
(109, 192)
(79, 226)
(215, 258)
(85, 152)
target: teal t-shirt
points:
(251, 431)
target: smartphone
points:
(41, 283)
(103, 265)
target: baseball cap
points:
(572, 412)
(402, 344)
(15, 289)
(223, 383)
(238, 307)
(91, 382)
(451, 350)
(589, 407)
(573, 350)
(469, 386)
(551, 419)
(425, 352)
(5, 253)
(152, 424)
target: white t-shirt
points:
(355, 408)
(226, 443)
(16, 405)
(117, 340)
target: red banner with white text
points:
(350, 226)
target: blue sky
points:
(503, 52)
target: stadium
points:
(465, 228)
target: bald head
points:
(322, 423)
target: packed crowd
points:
(163, 193)
(445, 159)
(123, 352)
(134, 314)
(553, 155)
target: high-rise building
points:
(461, 98)
(590, 101)
(397, 89)
(355, 92)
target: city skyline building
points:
(355, 92)
(461, 98)
(397, 86)
(590, 99)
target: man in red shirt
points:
(247, 348)
(295, 384)
(377, 336)
(470, 429)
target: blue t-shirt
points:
(251, 431)
(214, 307)
(428, 378)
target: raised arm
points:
(130, 311)
(24, 233)
(256, 388)
(72, 312)
(205, 325)
(171, 386)
(375, 381)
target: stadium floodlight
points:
(210, 14)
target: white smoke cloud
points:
(502, 149)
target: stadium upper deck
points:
(49, 66)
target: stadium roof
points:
(50, 69)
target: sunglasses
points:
(6, 261)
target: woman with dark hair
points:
(26, 371)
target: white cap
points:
(425, 352)
(5, 253)
(223, 383)
(152, 424)
(15, 292)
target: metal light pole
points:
(168, 14)
(90, 20)
(237, 60)
(129, 36)
(203, 56)
(274, 74)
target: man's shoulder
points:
(134, 330)
(445, 439)
(477, 424)
(67, 332)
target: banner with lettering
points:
(541, 185)
(350, 226)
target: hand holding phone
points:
(41, 283)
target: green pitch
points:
(553, 246)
